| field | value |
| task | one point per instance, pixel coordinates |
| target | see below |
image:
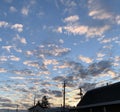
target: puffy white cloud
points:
(48, 62)
(59, 29)
(98, 11)
(3, 70)
(3, 24)
(61, 41)
(73, 18)
(76, 30)
(14, 58)
(18, 27)
(118, 19)
(13, 9)
(23, 40)
(25, 11)
(8, 48)
(100, 14)
(97, 31)
(17, 78)
(3, 58)
(85, 59)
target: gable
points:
(102, 96)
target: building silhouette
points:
(102, 99)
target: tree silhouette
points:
(45, 102)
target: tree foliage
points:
(45, 102)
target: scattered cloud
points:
(51, 50)
(71, 19)
(3, 70)
(79, 29)
(85, 59)
(3, 24)
(18, 27)
(14, 58)
(25, 11)
(13, 9)
(8, 48)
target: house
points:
(103, 99)
(37, 108)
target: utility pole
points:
(17, 108)
(64, 85)
(34, 99)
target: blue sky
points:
(44, 42)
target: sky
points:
(46, 42)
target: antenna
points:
(81, 93)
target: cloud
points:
(98, 10)
(18, 27)
(0, 39)
(100, 67)
(52, 50)
(3, 70)
(8, 48)
(22, 40)
(17, 78)
(77, 29)
(69, 5)
(13, 9)
(59, 78)
(23, 72)
(36, 64)
(3, 24)
(71, 19)
(3, 58)
(49, 62)
(4, 99)
(104, 10)
(56, 93)
(85, 59)
(61, 41)
(14, 58)
(87, 86)
(118, 19)
(25, 11)
(8, 105)
(77, 72)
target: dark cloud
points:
(56, 93)
(59, 78)
(23, 72)
(87, 86)
(45, 84)
(8, 105)
(2, 99)
(45, 91)
(22, 90)
(100, 67)
(77, 72)
(51, 50)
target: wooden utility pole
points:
(64, 85)
(34, 99)
(17, 108)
